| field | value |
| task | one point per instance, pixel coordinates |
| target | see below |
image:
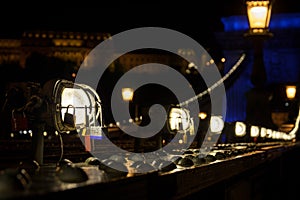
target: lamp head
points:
(179, 119)
(291, 91)
(127, 94)
(71, 106)
(259, 15)
(216, 124)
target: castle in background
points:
(73, 47)
(68, 46)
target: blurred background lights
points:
(240, 129)
(216, 124)
(254, 131)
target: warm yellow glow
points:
(179, 119)
(57, 42)
(254, 131)
(223, 60)
(259, 13)
(67, 42)
(294, 131)
(269, 133)
(78, 99)
(291, 91)
(257, 17)
(263, 132)
(240, 129)
(202, 115)
(191, 65)
(216, 124)
(277, 135)
(127, 94)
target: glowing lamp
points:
(254, 131)
(285, 136)
(269, 133)
(72, 106)
(179, 119)
(127, 94)
(277, 135)
(202, 115)
(259, 14)
(290, 91)
(64, 106)
(263, 132)
(216, 124)
(240, 129)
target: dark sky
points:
(114, 16)
(107, 17)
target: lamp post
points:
(259, 15)
(293, 102)
(127, 96)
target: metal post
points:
(38, 142)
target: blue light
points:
(223, 138)
(96, 137)
(278, 21)
(235, 23)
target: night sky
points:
(108, 18)
(114, 17)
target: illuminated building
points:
(68, 46)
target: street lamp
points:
(127, 94)
(259, 15)
(291, 91)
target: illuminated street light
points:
(127, 94)
(290, 91)
(259, 15)
(240, 129)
